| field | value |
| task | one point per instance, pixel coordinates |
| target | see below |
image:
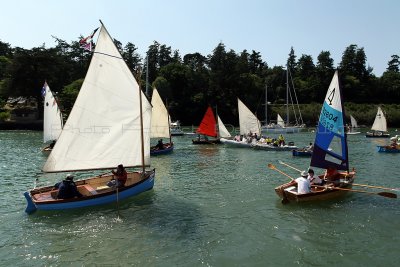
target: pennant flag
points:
(86, 42)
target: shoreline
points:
(13, 125)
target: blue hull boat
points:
(94, 190)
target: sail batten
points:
(330, 146)
(103, 128)
(248, 122)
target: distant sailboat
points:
(379, 128)
(281, 127)
(160, 126)
(207, 128)
(109, 125)
(52, 119)
(353, 127)
(248, 124)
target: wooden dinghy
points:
(94, 190)
(109, 125)
(288, 193)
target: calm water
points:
(210, 206)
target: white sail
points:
(353, 122)
(52, 120)
(223, 132)
(248, 122)
(280, 121)
(159, 117)
(379, 122)
(104, 126)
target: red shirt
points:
(121, 177)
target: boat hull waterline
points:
(44, 198)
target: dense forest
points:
(191, 82)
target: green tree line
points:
(191, 82)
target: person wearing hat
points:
(120, 177)
(303, 184)
(67, 188)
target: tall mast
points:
(147, 76)
(287, 94)
(266, 104)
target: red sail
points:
(208, 124)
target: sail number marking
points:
(328, 119)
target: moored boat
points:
(301, 153)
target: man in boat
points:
(281, 140)
(120, 177)
(332, 175)
(160, 145)
(67, 188)
(310, 148)
(303, 184)
(314, 180)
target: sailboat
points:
(160, 126)
(248, 126)
(330, 151)
(379, 128)
(353, 127)
(109, 125)
(52, 119)
(280, 127)
(207, 128)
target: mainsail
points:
(248, 122)
(330, 146)
(52, 119)
(104, 126)
(379, 122)
(280, 121)
(353, 122)
(159, 117)
(208, 124)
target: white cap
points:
(304, 174)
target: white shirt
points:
(315, 179)
(303, 185)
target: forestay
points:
(248, 122)
(330, 146)
(104, 126)
(52, 120)
(159, 117)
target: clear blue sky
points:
(266, 26)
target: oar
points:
(363, 185)
(383, 194)
(272, 167)
(380, 187)
(283, 163)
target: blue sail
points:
(330, 145)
